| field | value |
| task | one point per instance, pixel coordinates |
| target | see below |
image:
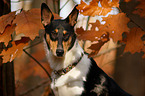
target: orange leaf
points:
(96, 47)
(94, 9)
(115, 25)
(15, 51)
(92, 34)
(29, 23)
(134, 42)
(6, 20)
(6, 36)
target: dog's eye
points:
(66, 34)
(54, 35)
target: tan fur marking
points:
(64, 32)
(66, 45)
(56, 30)
(52, 44)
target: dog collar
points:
(68, 68)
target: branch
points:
(132, 20)
(38, 64)
(63, 5)
(33, 45)
(107, 51)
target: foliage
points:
(29, 23)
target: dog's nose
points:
(59, 52)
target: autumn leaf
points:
(6, 36)
(140, 9)
(133, 41)
(29, 23)
(92, 35)
(94, 9)
(115, 25)
(97, 46)
(15, 51)
(6, 20)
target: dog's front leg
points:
(74, 88)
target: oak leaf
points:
(97, 46)
(29, 23)
(6, 36)
(116, 25)
(94, 9)
(134, 42)
(93, 34)
(6, 20)
(15, 51)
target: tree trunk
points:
(7, 82)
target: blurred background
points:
(126, 69)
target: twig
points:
(106, 51)
(84, 42)
(132, 20)
(63, 5)
(34, 88)
(38, 64)
(33, 45)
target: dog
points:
(74, 74)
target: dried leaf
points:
(15, 51)
(134, 42)
(94, 9)
(29, 23)
(6, 36)
(96, 47)
(92, 34)
(6, 20)
(116, 25)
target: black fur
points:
(108, 87)
(61, 24)
(97, 83)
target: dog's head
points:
(60, 35)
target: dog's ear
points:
(72, 17)
(46, 14)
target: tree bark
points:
(7, 82)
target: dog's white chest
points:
(72, 83)
(74, 88)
